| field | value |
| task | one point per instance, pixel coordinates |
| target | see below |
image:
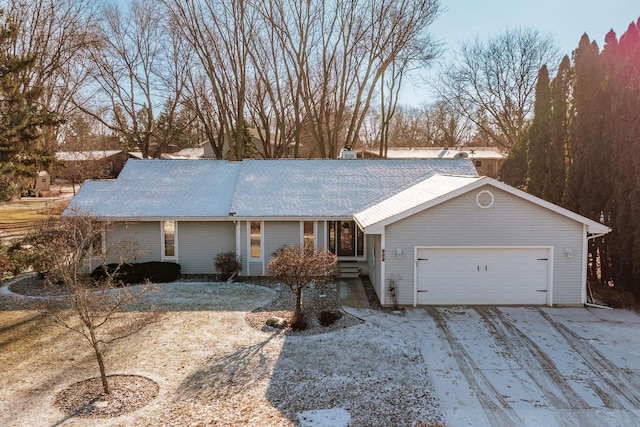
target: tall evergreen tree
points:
(559, 132)
(539, 136)
(22, 117)
(622, 62)
(514, 168)
(589, 173)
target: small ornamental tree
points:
(100, 313)
(299, 267)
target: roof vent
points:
(461, 155)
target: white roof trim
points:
(377, 227)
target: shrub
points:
(614, 297)
(329, 317)
(7, 189)
(227, 263)
(298, 322)
(129, 274)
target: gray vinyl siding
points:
(511, 221)
(200, 242)
(142, 238)
(244, 254)
(373, 262)
(321, 235)
(249, 267)
(278, 234)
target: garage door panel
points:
(482, 276)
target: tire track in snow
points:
(495, 410)
(526, 353)
(615, 382)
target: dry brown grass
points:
(19, 217)
(615, 297)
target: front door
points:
(345, 239)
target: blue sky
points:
(564, 20)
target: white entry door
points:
(469, 276)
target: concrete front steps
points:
(348, 270)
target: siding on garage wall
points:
(511, 221)
(200, 242)
(373, 262)
(145, 237)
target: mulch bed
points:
(315, 299)
(34, 286)
(87, 398)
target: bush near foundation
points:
(131, 274)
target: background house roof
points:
(73, 156)
(148, 189)
(329, 188)
(440, 153)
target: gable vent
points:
(484, 199)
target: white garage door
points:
(460, 276)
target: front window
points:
(256, 239)
(169, 231)
(308, 234)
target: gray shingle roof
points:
(255, 188)
(162, 189)
(413, 197)
(329, 188)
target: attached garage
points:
(460, 240)
(483, 275)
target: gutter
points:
(595, 236)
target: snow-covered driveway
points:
(529, 366)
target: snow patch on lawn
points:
(334, 417)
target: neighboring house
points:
(431, 229)
(185, 154)
(487, 160)
(77, 166)
(209, 153)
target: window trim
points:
(251, 257)
(315, 234)
(165, 257)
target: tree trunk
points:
(103, 372)
(299, 301)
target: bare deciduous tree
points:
(63, 248)
(298, 267)
(492, 82)
(137, 67)
(218, 32)
(303, 68)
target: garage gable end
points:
(441, 188)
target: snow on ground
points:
(460, 366)
(214, 369)
(334, 417)
(529, 366)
